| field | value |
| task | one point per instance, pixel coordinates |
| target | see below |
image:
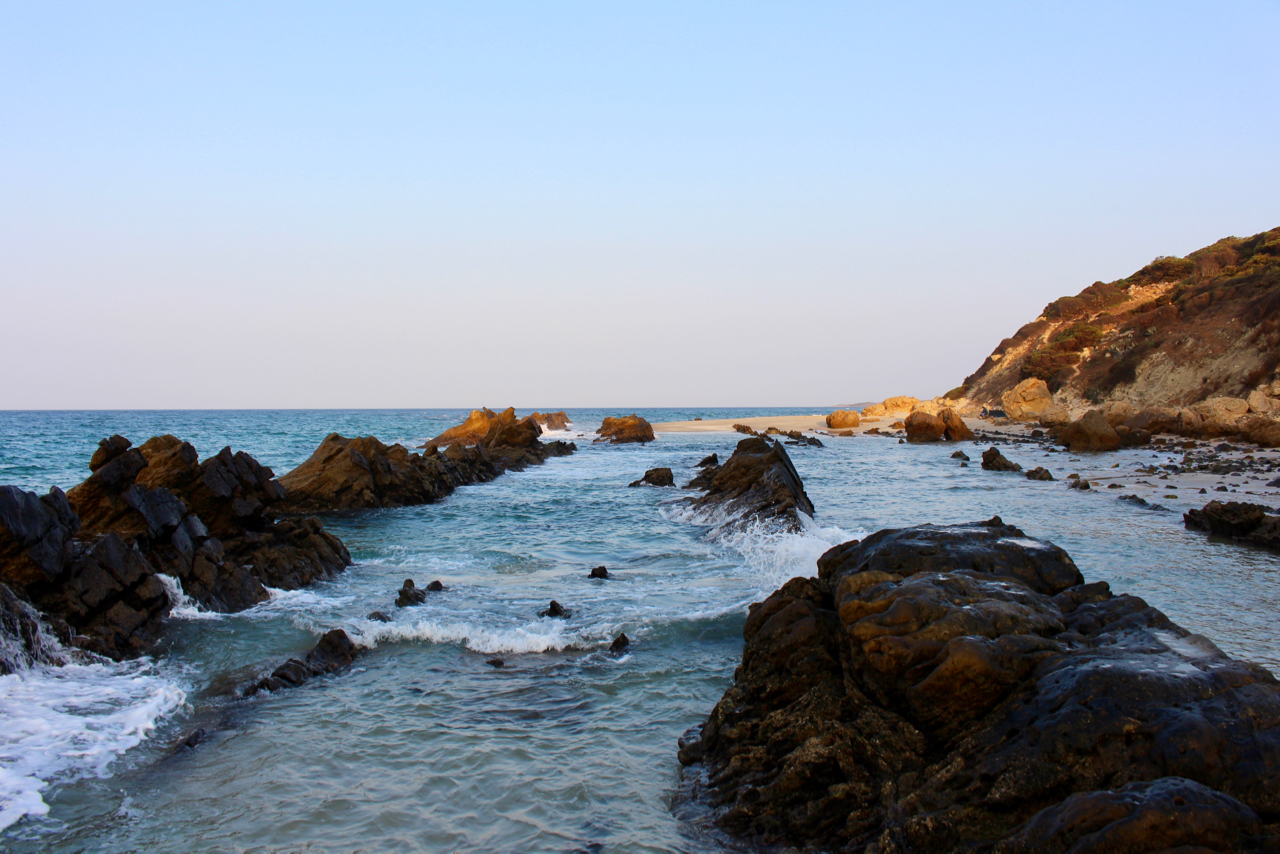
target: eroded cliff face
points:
(1177, 332)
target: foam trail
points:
(543, 636)
(73, 721)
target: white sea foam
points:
(184, 607)
(540, 636)
(62, 723)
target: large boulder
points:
(843, 419)
(626, 428)
(656, 477)
(470, 432)
(874, 410)
(1118, 412)
(960, 688)
(956, 429)
(1090, 432)
(1220, 415)
(1263, 430)
(1054, 415)
(899, 405)
(1262, 403)
(1155, 419)
(757, 483)
(923, 427)
(1026, 400)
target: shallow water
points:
(422, 745)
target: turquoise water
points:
(422, 745)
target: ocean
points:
(422, 745)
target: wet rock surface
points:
(993, 460)
(1090, 433)
(627, 428)
(332, 653)
(551, 420)
(95, 559)
(655, 477)
(1237, 520)
(758, 482)
(961, 688)
(363, 473)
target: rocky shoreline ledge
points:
(962, 688)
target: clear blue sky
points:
(613, 204)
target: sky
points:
(624, 204)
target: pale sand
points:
(725, 425)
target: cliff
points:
(1176, 332)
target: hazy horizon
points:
(434, 206)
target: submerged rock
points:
(379, 617)
(960, 688)
(598, 572)
(334, 652)
(620, 643)
(655, 477)
(712, 460)
(410, 595)
(1237, 520)
(627, 428)
(960, 455)
(1039, 473)
(758, 482)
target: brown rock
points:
(1155, 419)
(843, 419)
(333, 652)
(873, 410)
(1026, 400)
(902, 404)
(923, 427)
(469, 432)
(1090, 433)
(551, 420)
(1117, 412)
(1263, 430)
(959, 687)
(1262, 403)
(1053, 415)
(1237, 520)
(655, 477)
(628, 428)
(993, 460)
(956, 429)
(758, 482)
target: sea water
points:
(424, 746)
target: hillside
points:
(1175, 333)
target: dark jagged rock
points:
(1039, 473)
(435, 587)
(745, 430)
(1237, 520)
(379, 617)
(960, 455)
(599, 572)
(627, 428)
(1080, 484)
(555, 610)
(712, 460)
(93, 558)
(363, 473)
(758, 482)
(655, 477)
(993, 460)
(496, 662)
(620, 643)
(192, 741)
(334, 652)
(960, 688)
(410, 595)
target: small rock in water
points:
(964, 465)
(1039, 473)
(496, 662)
(1220, 489)
(1115, 486)
(435, 587)
(656, 477)
(1079, 483)
(1275, 483)
(712, 460)
(1204, 491)
(599, 572)
(901, 441)
(555, 610)
(198, 737)
(960, 455)
(993, 460)
(380, 617)
(410, 595)
(1037, 434)
(620, 643)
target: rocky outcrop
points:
(551, 420)
(1176, 333)
(960, 688)
(955, 428)
(993, 460)
(363, 473)
(757, 483)
(332, 653)
(470, 432)
(23, 638)
(843, 419)
(1090, 432)
(655, 477)
(95, 560)
(627, 428)
(1054, 415)
(1237, 520)
(1027, 400)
